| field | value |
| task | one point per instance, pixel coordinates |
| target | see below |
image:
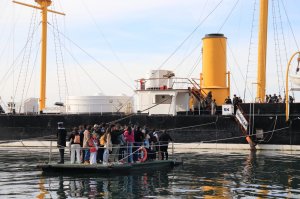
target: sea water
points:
(204, 174)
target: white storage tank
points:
(99, 104)
(31, 105)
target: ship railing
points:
(154, 149)
(163, 83)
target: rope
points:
(82, 68)
(284, 44)
(29, 151)
(243, 136)
(130, 115)
(186, 127)
(95, 60)
(106, 40)
(290, 26)
(277, 48)
(195, 29)
(273, 129)
(232, 9)
(249, 51)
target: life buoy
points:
(144, 154)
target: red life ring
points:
(144, 152)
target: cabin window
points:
(162, 99)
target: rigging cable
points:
(232, 9)
(82, 68)
(197, 46)
(32, 71)
(29, 46)
(194, 66)
(195, 29)
(249, 51)
(95, 60)
(239, 67)
(284, 44)
(107, 41)
(290, 26)
(276, 43)
(62, 92)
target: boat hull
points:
(187, 128)
(100, 169)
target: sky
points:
(103, 46)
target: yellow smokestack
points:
(214, 75)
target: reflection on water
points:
(114, 187)
(205, 174)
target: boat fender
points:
(145, 154)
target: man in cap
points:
(61, 135)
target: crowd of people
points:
(269, 99)
(112, 143)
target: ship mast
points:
(43, 6)
(262, 51)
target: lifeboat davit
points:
(295, 79)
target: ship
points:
(191, 110)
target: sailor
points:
(61, 141)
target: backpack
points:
(153, 138)
(102, 140)
(77, 139)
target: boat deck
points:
(111, 169)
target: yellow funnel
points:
(214, 77)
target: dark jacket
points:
(61, 135)
(115, 136)
(165, 138)
(138, 136)
(81, 137)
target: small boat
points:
(110, 169)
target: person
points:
(279, 99)
(153, 142)
(86, 138)
(129, 138)
(164, 142)
(115, 133)
(270, 99)
(275, 98)
(107, 145)
(93, 144)
(146, 142)
(81, 131)
(61, 135)
(138, 141)
(291, 99)
(267, 98)
(235, 102)
(122, 151)
(228, 100)
(213, 107)
(75, 146)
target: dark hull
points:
(99, 169)
(183, 128)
